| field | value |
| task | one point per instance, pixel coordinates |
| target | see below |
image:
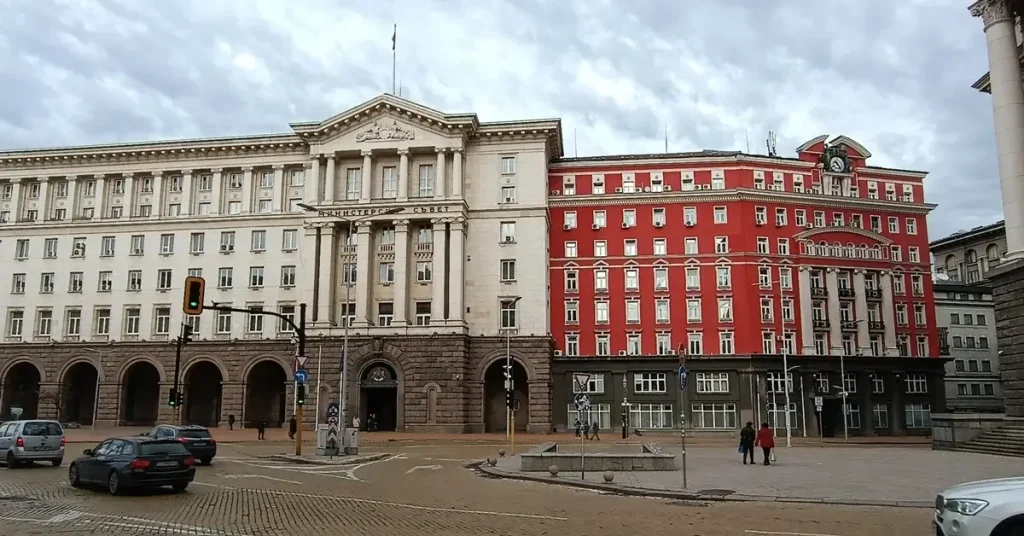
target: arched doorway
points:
(78, 393)
(494, 396)
(140, 394)
(265, 388)
(203, 383)
(378, 398)
(21, 390)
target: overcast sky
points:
(893, 75)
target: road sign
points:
(301, 360)
(582, 402)
(684, 375)
(819, 402)
(581, 380)
(301, 375)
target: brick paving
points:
(419, 490)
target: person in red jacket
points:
(766, 439)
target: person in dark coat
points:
(293, 426)
(593, 431)
(261, 428)
(231, 422)
(747, 438)
(766, 439)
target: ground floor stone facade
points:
(442, 383)
(1008, 295)
(885, 395)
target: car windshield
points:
(162, 448)
(195, 434)
(41, 429)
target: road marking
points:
(336, 471)
(138, 523)
(447, 459)
(341, 498)
(265, 477)
(772, 533)
(428, 467)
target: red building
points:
(738, 259)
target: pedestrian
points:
(355, 422)
(747, 439)
(293, 426)
(579, 428)
(231, 422)
(593, 431)
(766, 439)
(261, 428)
(586, 429)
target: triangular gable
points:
(600, 264)
(571, 264)
(857, 150)
(809, 233)
(391, 105)
(723, 260)
(786, 261)
(764, 260)
(809, 145)
(632, 263)
(661, 262)
(691, 261)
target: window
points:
(723, 276)
(919, 316)
(354, 182)
(764, 276)
(106, 282)
(721, 244)
(422, 313)
(227, 241)
(46, 282)
(632, 279)
(603, 345)
(161, 320)
(760, 215)
(225, 278)
(632, 311)
(658, 217)
(600, 219)
(106, 248)
(15, 322)
(44, 322)
(690, 216)
(135, 280)
(693, 279)
(629, 248)
(712, 382)
(660, 247)
(572, 281)
(597, 184)
(569, 220)
(288, 276)
(223, 326)
(259, 241)
(509, 314)
(880, 415)
(132, 320)
(717, 416)
(570, 249)
(598, 413)
(776, 383)
(508, 194)
(572, 344)
(18, 283)
(78, 247)
(647, 416)
(426, 181)
(664, 344)
(601, 280)
(918, 415)
(508, 165)
(196, 243)
(102, 315)
(600, 248)
(263, 206)
(507, 232)
(721, 215)
(650, 382)
(289, 240)
(628, 183)
(693, 310)
(255, 277)
(601, 312)
(385, 313)
(783, 244)
(164, 279)
(389, 182)
(572, 312)
(690, 245)
(387, 273)
(661, 312)
(916, 383)
(762, 245)
(913, 254)
(661, 278)
(629, 218)
(725, 309)
(234, 207)
(726, 342)
(777, 416)
(594, 386)
(73, 322)
(911, 225)
(50, 248)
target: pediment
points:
(632, 264)
(387, 130)
(661, 262)
(841, 234)
(723, 260)
(600, 264)
(570, 265)
(691, 261)
(764, 260)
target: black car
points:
(196, 439)
(134, 462)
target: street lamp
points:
(343, 377)
(767, 285)
(96, 393)
(509, 383)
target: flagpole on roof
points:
(394, 41)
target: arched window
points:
(971, 256)
(992, 252)
(950, 262)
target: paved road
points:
(415, 491)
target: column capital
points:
(457, 150)
(158, 173)
(278, 167)
(366, 153)
(401, 223)
(331, 156)
(99, 176)
(246, 169)
(991, 11)
(362, 226)
(15, 180)
(440, 150)
(44, 179)
(315, 156)
(403, 152)
(71, 178)
(216, 170)
(128, 175)
(186, 172)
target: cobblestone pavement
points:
(416, 490)
(887, 474)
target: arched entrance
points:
(21, 390)
(202, 385)
(140, 394)
(78, 393)
(494, 396)
(265, 388)
(378, 398)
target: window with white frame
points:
(601, 280)
(693, 278)
(598, 413)
(569, 220)
(603, 344)
(600, 248)
(633, 311)
(660, 247)
(695, 343)
(650, 416)
(725, 309)
(631, 278)
(690, 216)
(916, 383)
(508, 270)
(721, 244)
(658, 217)
(572, 344)
(572, 281)
(601, 312)
(385, 313)
(777, 416)
(726, 342)
(569, 185)
(650, 382)
(629, 217)
(597, 184)
(776, 382)
(918, 415)
(570, 249)
(661, 279)
(661, 311)
(712, 382)
(600, 219)
(629, 247)
(881, 415)
(256, 277)
(507, 233)
(786, 278)
(132, 320)
(259, 241)
(572, 312)
(693, 310)
(768, 342)
(594, 384)
(663, 341)
(509, 314)
(713, 416)
(721, 215)
(691, 246)
(723, 277)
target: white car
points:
(982, 508)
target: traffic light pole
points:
(177, 370)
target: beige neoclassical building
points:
(419, 235)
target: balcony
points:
(846, 293)
(424, 247)
(876, 325)
(873, 294)
(849, 325)
(820, 324)
(818, 292)
(348, 250)
(386, 248)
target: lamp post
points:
(767, 285)
(343, 375)
(96, 392)
(510, 385)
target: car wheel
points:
(56, 462)
(1016, 531)
(178, 488)
(73, 478)
(114, 483)
(11, 462)
(205, 461)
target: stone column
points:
(457, 179)
(327, 260)
(437, 315)
(331, 179)
(1008, 113)
(834, 318)
(311, 184)
(186, 192)
(366, 180)
(363, 275)
(100, 206)
(896, 410)
(44, 198)
(888, 314)
(72, 196)
(308, 265)
(158, 189)
(806, 311)
(456, 279)
(280, 205)
(861, 312)
(439, 174)
(401, 272)
(403, 174)
(247, 188)
(867, 407)
(129, 196)
(216, 204)
(18, 204)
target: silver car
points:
(31, 441)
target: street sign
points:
(300, 360)
(581, 381)
(301, 375)
(582, 402)
(684, 375)
(819, 402)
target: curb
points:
(303, 461)
(481, 466)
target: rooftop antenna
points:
(666, 138)
(747, 138)
(394, 41)
(771, 142)
(575, 147)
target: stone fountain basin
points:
(643, 458)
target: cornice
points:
(181, 223)
(810, 233)
(739, 194)
(991, 11)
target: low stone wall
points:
(952, 429)
(546, 455)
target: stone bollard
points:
(492, 461)
(609, 476)
(501, 452)
(553, 470)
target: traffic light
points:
(195, 290)
(186, 334)
(181, 398)
(300, 394)
(510, 399)
(172, 400)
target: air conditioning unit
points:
(555, 192)
(567, 227)
(808, 226)
(647, 188)
(779, 224)
(625, 225)
(659, 224)
(622, 352)
(137, 251)
(667, 188)
(558, 353)
(595, 226)
(227, 247)
(689, 224)
(759, 223)
(507, 240)
(510, 200)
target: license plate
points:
(196, 444)
(166, 464)
(38, 449)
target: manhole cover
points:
(716, 492)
